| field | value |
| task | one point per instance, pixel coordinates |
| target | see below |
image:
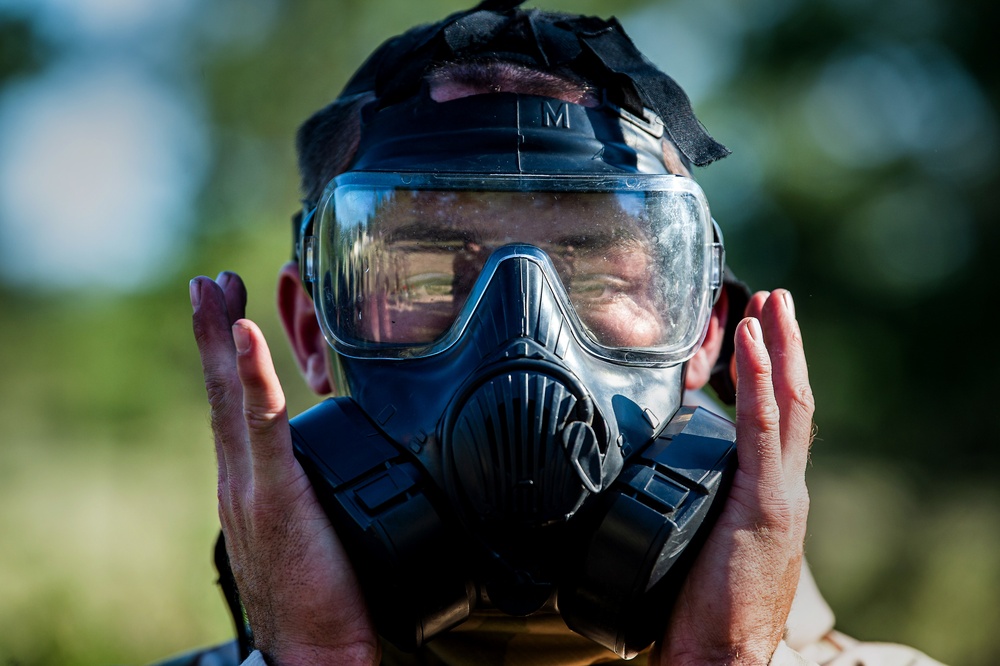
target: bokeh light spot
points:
(99, 166)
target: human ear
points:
(295, 308)
(699, 368)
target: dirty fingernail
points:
(241, 336)
(789, 303)
(753, 327)
(194, 288)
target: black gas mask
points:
(512, 285)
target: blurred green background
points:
(144, 143)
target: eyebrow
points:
(597, 241)
(427, 230)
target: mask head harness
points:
(499, 456)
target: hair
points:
(326, 143)
(492, 76)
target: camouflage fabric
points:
(227, 654)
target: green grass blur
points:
(107, 473)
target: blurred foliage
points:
(107, 498)
(20, 52)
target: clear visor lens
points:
(401, 265)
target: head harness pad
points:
(586, 47)
(508, 133)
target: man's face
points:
(429, 248)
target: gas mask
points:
(512, 285)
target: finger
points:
(212, 333)
(792, 390)
(753, 309)
(755, 306)
(264, 410)
(235, 293)
(758, 436)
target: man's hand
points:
(300, 594)
(735, 602)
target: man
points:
(500, 219)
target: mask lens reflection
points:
(401, 266)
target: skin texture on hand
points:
(300, 593)
(735, 602)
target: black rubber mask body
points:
(517, 424)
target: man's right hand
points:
(300, 594)
(735, 602)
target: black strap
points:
(498, 5)
(619, 55)
(737, 296)
(474, 30)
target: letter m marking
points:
(557, 117)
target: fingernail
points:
(222, 280)
(195, 290)
(753, 327)
(789, 304)
(241, 336)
